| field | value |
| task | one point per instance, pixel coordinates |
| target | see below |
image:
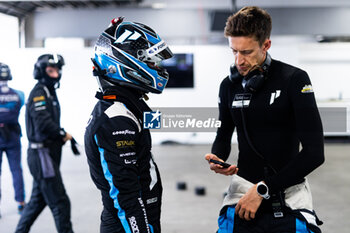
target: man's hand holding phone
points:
(219, 166)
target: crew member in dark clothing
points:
(117, 145)
(11, 102)
(46, 138)
(272, 107)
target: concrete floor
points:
(183, 211)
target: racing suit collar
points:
(132, 99)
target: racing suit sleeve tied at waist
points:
(46, 163)
(297, 197)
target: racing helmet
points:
(127, 53)
(45, 60)
(5, 72)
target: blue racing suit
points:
(121, 164)
(11, 101)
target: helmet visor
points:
(158, 52)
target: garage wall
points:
(326, 64)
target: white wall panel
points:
(211, 64)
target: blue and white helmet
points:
(126, 54)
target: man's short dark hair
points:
(250, 21)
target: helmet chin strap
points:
(99, 83)
(50, 82)
(57, 85)
(3, 83)
(4, 87)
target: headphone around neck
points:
(254, 79)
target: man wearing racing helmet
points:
(116, 144)
(11, 102)
(46, 138)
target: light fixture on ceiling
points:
(158, 5)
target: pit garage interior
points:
(313, 35)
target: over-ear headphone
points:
(37, 71)
(254, 79)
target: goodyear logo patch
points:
(125, 143)
(39, 98)
(307, 89)
(41, 103)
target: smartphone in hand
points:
(224, 165)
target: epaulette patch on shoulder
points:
(307, 89)
(119, 109)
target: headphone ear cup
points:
(234, 76)
(37, 72)
(255, 82)
(256, 78)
